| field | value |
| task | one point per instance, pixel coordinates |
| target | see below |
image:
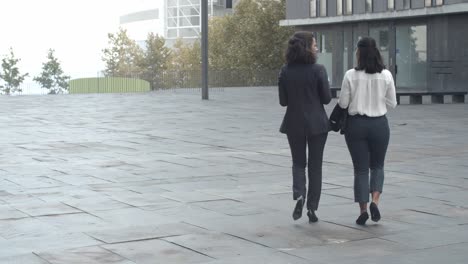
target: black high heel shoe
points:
(312, 217)
(374, 212)
(362, 218)
(297, 213)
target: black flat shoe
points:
(312, 217)
(374, 212)
(297, 213)
(362, 218)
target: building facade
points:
(172, 19)
(424, 43)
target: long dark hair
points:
(299, 49)
(368, 56)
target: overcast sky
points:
(76, 29)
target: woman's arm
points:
(345, 93)
(390, 96)
(323, 86)
(283, 95)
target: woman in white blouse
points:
(367, 91)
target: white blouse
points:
(367, 94)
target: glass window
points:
(406, 4)
(428, 3)
(172, 33)
(381, 36)
(369, 6)
(323, 7)
(391, 4)
(349, 7)
(339, 7)
(313, 8)
(411, 56)
(347, 48)
(439, 2)
(325, 46)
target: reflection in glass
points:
(325, 57)
(411, 56)
(339, 7)
(347, 44)
(381, 36)
(349, 7)
(323, 7)
(313, 8)
(391, 4)
(369, 6)
(406, 4)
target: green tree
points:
(155, 60)
(123, 56)
(185, 67)
(10, 74)
(251, 38)
(52, 76)
(245, 48)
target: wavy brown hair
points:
(368, 56)
(300, 50)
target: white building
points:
(171, 19)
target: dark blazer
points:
(304, 89)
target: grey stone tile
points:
(188, 196)
(57, 240)
(231, 207)
(373, 248)
(24, 259)
(25, 228)
(271, 258)
(135, 233)
(46, 208)
(219, 245)
(429, 238)
(156, 251)
(79, 222)
(96, 204)
(138, 161)
(91, 255)
(132, 216)
(8, 212)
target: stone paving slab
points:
(165, 177)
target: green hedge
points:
(108, 85)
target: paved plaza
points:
(165, 177)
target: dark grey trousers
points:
(367, 139)
(316, 145)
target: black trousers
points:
(316, 144)
(367, 139)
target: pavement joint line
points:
(261, 162)
(430, 198)
(349, 226)
(112, 252)
(135, 240)
(191, 249)
(37, 255)
(429, 213)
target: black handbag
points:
(338, 119)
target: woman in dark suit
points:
(304, 89)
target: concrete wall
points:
(448, 53)
(379, 6)
(449, 2)
(417, 4)
(297, 9)
(359, 6)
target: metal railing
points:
(167, 80)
